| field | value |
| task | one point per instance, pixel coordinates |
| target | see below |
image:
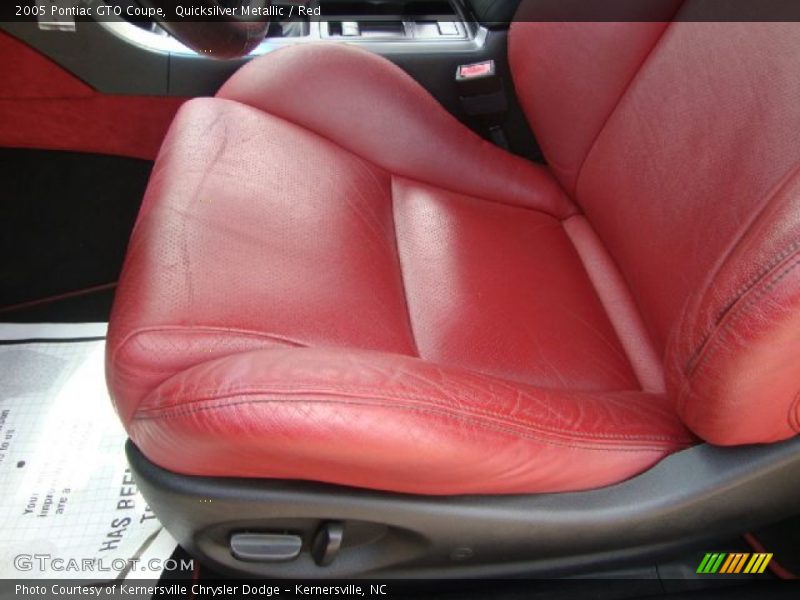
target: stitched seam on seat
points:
(743, 290)
(778, 189)
(400, 266)
(188, 411)
(622, 95)
(203, 329)
(736, 314)
(210, 394)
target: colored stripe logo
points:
(734, 562)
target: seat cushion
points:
(292, 306)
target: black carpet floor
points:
(65, 219)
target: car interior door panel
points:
(44, 106)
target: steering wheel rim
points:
(225, 37)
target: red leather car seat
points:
(332, 279)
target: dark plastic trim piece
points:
(265, 547)
(699, 495)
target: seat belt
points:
(483, 98)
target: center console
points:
(137, 56)
(429, 39)
(392, 20)
(357, 21)
(383, 24)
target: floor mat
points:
(65, 489)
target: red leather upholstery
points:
(360, 291)
(691, 184)
(378, 112)
(393, 422)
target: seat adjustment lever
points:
(327, 543)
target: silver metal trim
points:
(159, 41)
(50, 22)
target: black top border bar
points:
(338, 10)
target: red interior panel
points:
(43, 106)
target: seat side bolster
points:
(743, 385)
(383, 421)
(372, 108)
(732, 361)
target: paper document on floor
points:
(69, 507)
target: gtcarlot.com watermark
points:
(45, 563)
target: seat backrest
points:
(681, 142)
